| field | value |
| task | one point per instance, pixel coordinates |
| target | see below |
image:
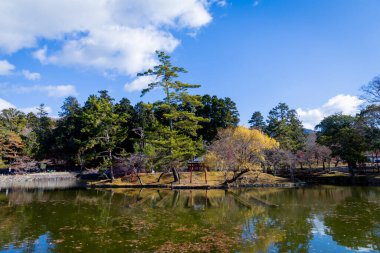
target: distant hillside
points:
(308, 131)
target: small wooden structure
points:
(196, 164)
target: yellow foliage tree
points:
(239, 149)
(11, 145)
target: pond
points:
(315, 219)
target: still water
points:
(317, 219)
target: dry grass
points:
(214, 178)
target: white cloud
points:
(139, 83)
(119, 35)
(256, 3)
(40, 54)
(6, 68)
(31, 75)
(60, 90)
(51, 90)
(5, 104)
(221, 3)
(345, 104)
(34, 109)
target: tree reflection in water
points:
(247, 220)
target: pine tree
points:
(283, 125)
(68, 137)
(43, 132)
(174, 136)
(257, 121)
(103, 127)
(221, 112)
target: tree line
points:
(166, 134)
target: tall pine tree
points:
(104, 127)
(284, 126)
(174, 137)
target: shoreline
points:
(50, 180)
(71, 180)
(39, 176)
(202, 187)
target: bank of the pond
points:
(341, 178)
(41, 180)
(196, 180)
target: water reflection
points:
(321, 219)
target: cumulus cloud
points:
(31, 75)
(5, 104)
(139, 83)
(345, 104)
(120, 35)
(6, 68)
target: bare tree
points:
(371, 91)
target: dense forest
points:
(164, 135)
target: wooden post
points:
(205, 174)
(191, 173)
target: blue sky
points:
(313, 55)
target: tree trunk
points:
(159, 178)
(111, 167)
(235, 177)
(191, 174)
(351, 168)
(291, 174)
(206, 175)
(176, 176)
(138, 177)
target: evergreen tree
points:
(144, 119)
(13, 120)
(104, 128)
(68, 137)
(42, 130)
(125, 110)
(283, 125)
(257, 121)
(221, 113)
(174, 138)
(341, 134)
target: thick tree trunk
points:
(235, 177)
(351, 168)
(176, 176)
